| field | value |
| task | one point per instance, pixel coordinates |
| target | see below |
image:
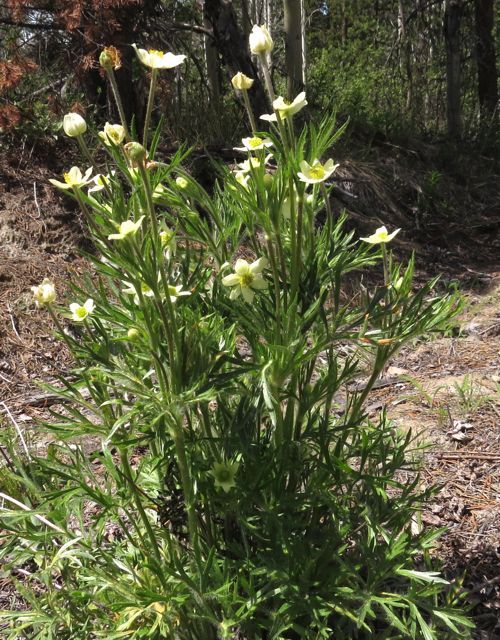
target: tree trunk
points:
(233, 49)
(487, 87)
(405, 53)
(452, 19)
(212, 64)
(294, 46)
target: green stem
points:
(149, 108)
(59, 327)
(276, 279)
(119, 104)
(385, 260)
(127, 472)
(187, 485)
(250, 112)
(329, 213)
(272, 95)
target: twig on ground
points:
(13, 322)
(468, 455)
(19, 432)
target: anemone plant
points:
(214, 472)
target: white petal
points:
(235, 293)
(241, 267)
(231, 280)
(258, 265)
(247, 293)
(269, 117)
(259, 283)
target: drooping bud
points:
(241, 81)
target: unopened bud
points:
(135, 152)
(268, 180)
(74, 125)
(241, 81)
(110, 58)
(133, 334)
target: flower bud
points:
(181, 182)
(268, 180)
(105, 60)
(110, 58)
(241, 81)
(260, 40)
(133, 334)
(44, 293)
(74, 125)
(135, 152)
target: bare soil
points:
(447, 390)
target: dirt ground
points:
(446, 389)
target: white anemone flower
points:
(174, 291)
(74, 125)
(286, 108)
(112, 134)
(158, 59)
(381, 236)
(80, 312)
(44, 293)
(252, 163)
(73, 179)
(254, 144)
(317, 172)
(260, 40)
(126, 228)
(242, 178)
(246, 279)
(98, 183)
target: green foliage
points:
(213, 473)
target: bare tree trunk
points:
(405, 48)
(212, 63)
(233, 48)
(487, 87)
(452, 19)
(247, 16)
(294, 46)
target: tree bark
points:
(487, 87)
(212, 64)
(233, 48)
(294, 46)
(452, 19)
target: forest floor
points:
(446, 389)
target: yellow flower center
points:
(67, 178)
(317, 172)
(254, 142)
(145, 289)
(246, 279)
(155, 52)
(383, 235)
(81, 312)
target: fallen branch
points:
(468, 455)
